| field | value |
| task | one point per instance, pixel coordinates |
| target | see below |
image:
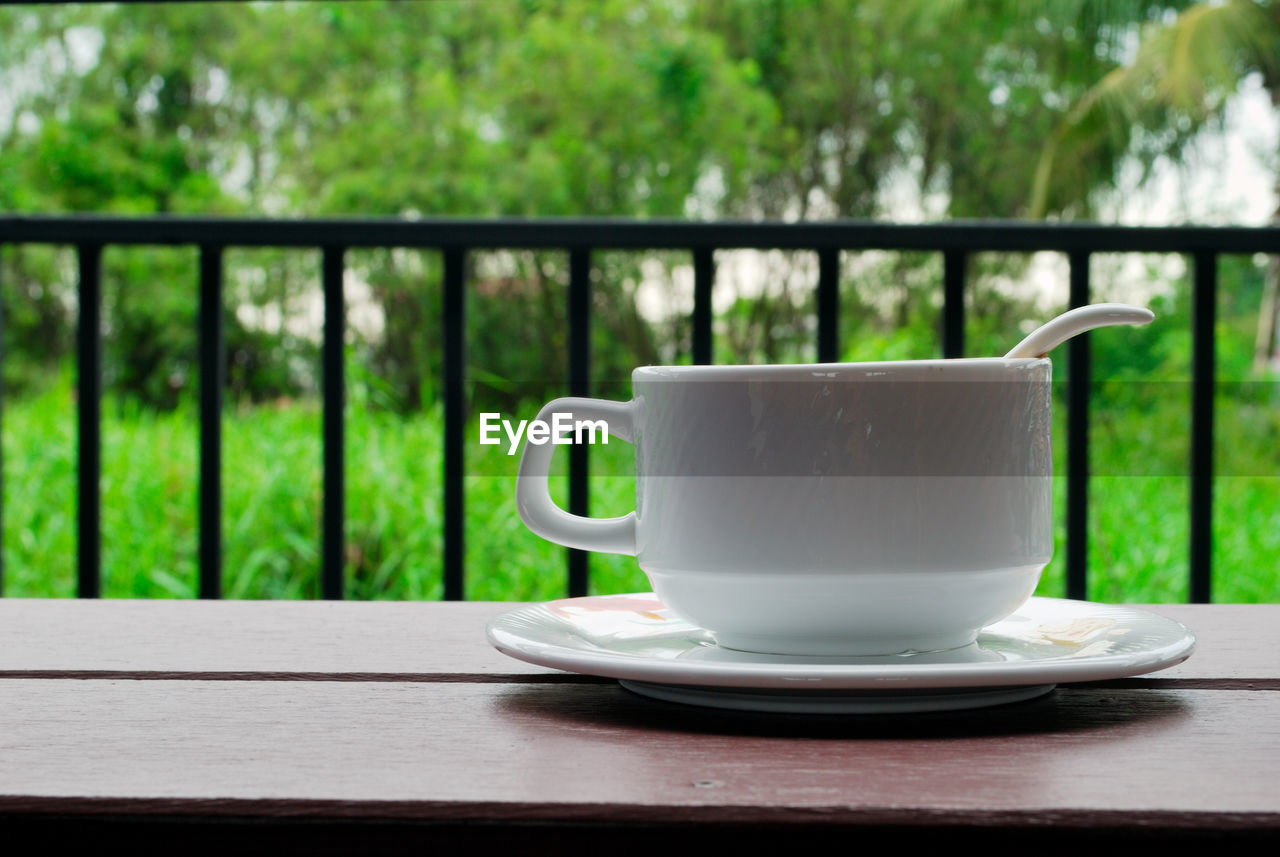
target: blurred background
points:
(1139, 113)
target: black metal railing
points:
(455, 238)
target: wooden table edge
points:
(32, 806)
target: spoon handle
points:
(1053, 333)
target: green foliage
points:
(1185, 68)
(748, 108)
(752, 109)
(1137, 542)
(38, 325)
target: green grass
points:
(272, 501)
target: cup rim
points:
(930, 367)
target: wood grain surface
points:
(1195, 759)
(359, 640)
(430, 641)
(270, 727)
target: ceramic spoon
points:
(1051, 334)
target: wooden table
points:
(273, 727)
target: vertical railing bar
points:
(704, 275)
(89, 413)
(1, 418)
(212, 375)
(454, 337)
(954, 264)
(333, 534)
(1079, 379)
(828, 305)
(579, 385)
(1203, 351)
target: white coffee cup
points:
(826, 509)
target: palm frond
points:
(1183, 72)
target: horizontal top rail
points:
(611, 233)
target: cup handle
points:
(533, 494)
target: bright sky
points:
(1227, 178)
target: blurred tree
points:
(1185, 69)
(530, 109)
(762, 109)
(133, 123)
(1188, 61)
(913, 108)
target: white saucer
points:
(635, 639)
